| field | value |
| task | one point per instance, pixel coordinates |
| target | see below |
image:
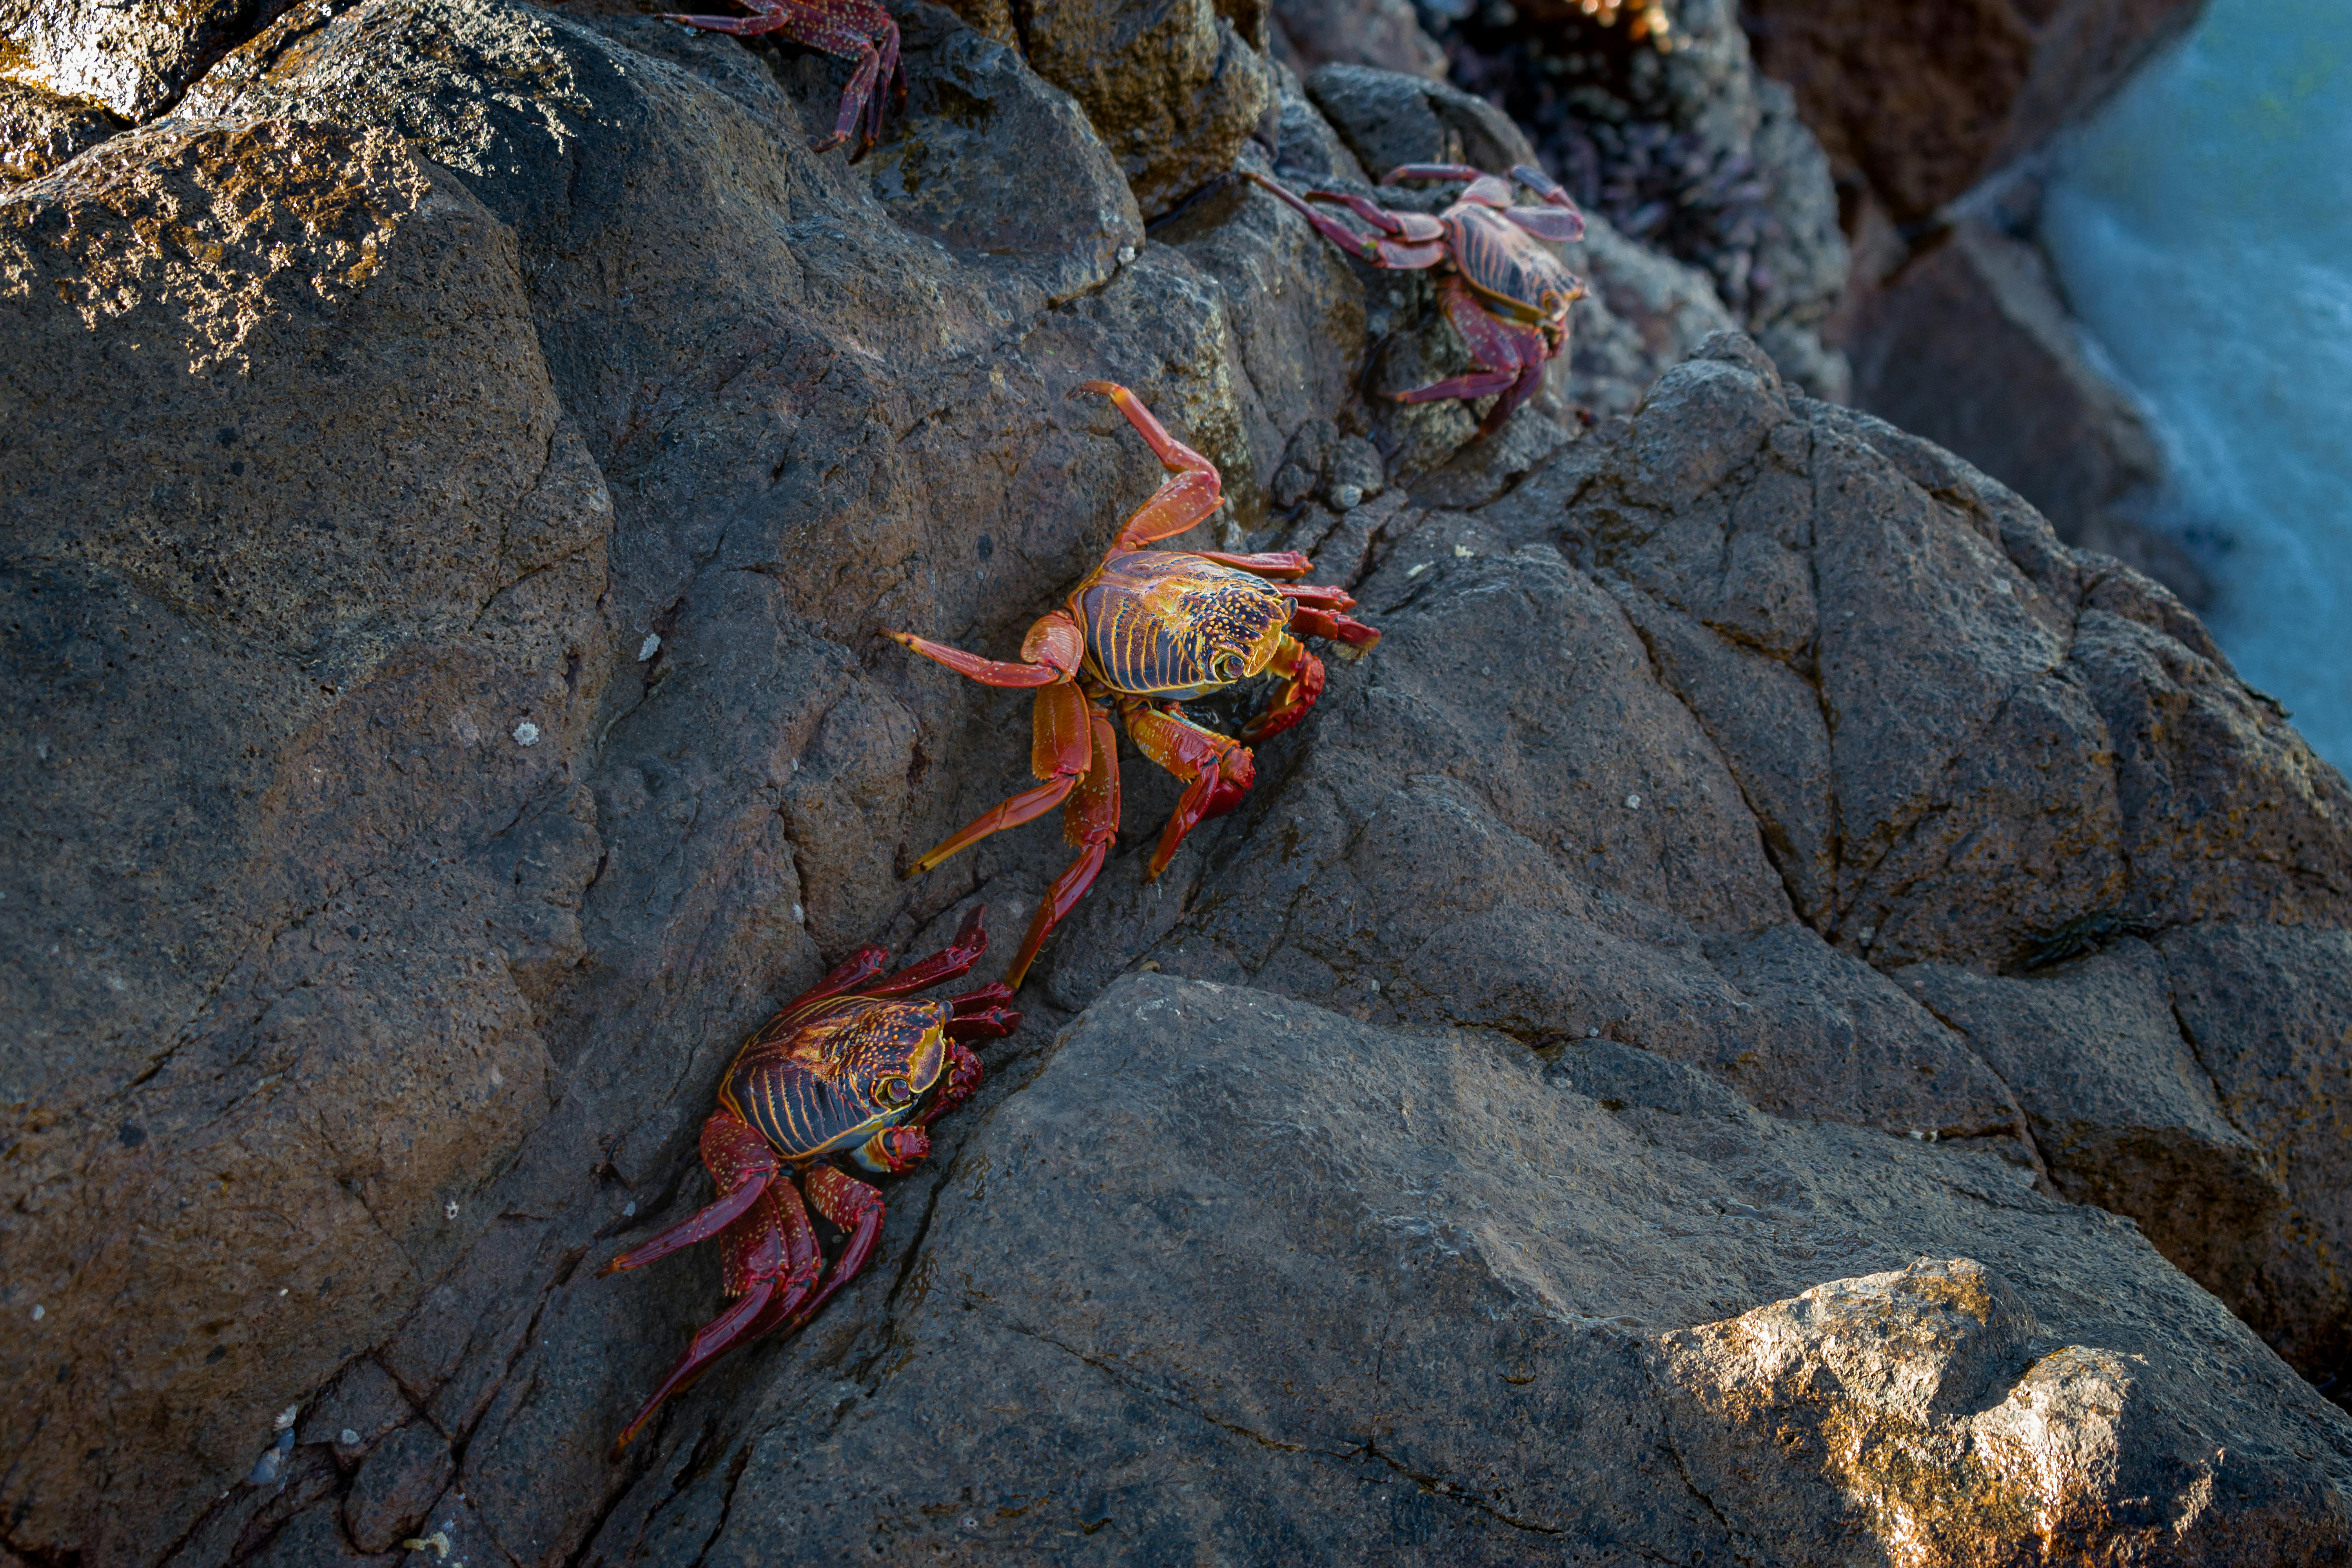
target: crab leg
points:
(954, 960)
(1487, 190)
(1058, 752)
(1414, 229)
(981, 1014)
(742, 1165)
(860, 966)
(1273, 563)
(856, 1208)
(1557, 218)
(1191, 493)
(844, 29)
(770, 1261)
(1356, 638)
(1404, 256)
(1089, 821)
(1049, 653)
(1510, 357)
(1217, 769)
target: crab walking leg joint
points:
(843, 1069)
(1140, 634)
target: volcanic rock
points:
(460, 464)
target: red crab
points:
(1144, 631)
(856, 30)
(1507, 296)
(842, 1069)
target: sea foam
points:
(2201, 227)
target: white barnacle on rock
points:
(526, 734)
(650, 647)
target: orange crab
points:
(1143, 632)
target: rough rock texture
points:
(1971, 346)
(135, 59)
(1172, 87)
(1233, 1277)
(1934, 118)
(1691, 151)
(1386, 33)
(1918, 102)
(1770, 662)
(40, 129)
(458, 467)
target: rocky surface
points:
(1971, 346)
(1915, 104)
(1689, 150)
(460, 461)
(1237, 1278)
(1384, 34)
(1936, 120)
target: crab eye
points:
(893, 1092)
(1228, 665)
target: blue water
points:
(2203, 228)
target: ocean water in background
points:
(2203, 229)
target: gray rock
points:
(1971, 347)
(1234, 1276)
(2268, 1012)
(410, 445)
(448, 367)
(2122, 1108)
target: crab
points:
(856, 30)
(1143, 633)
(1507, 296)
(843, 1069)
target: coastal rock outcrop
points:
(461, 460)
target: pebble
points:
(650, 647)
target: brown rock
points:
(1922, 102)
(40, 130)
(1171, 88)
